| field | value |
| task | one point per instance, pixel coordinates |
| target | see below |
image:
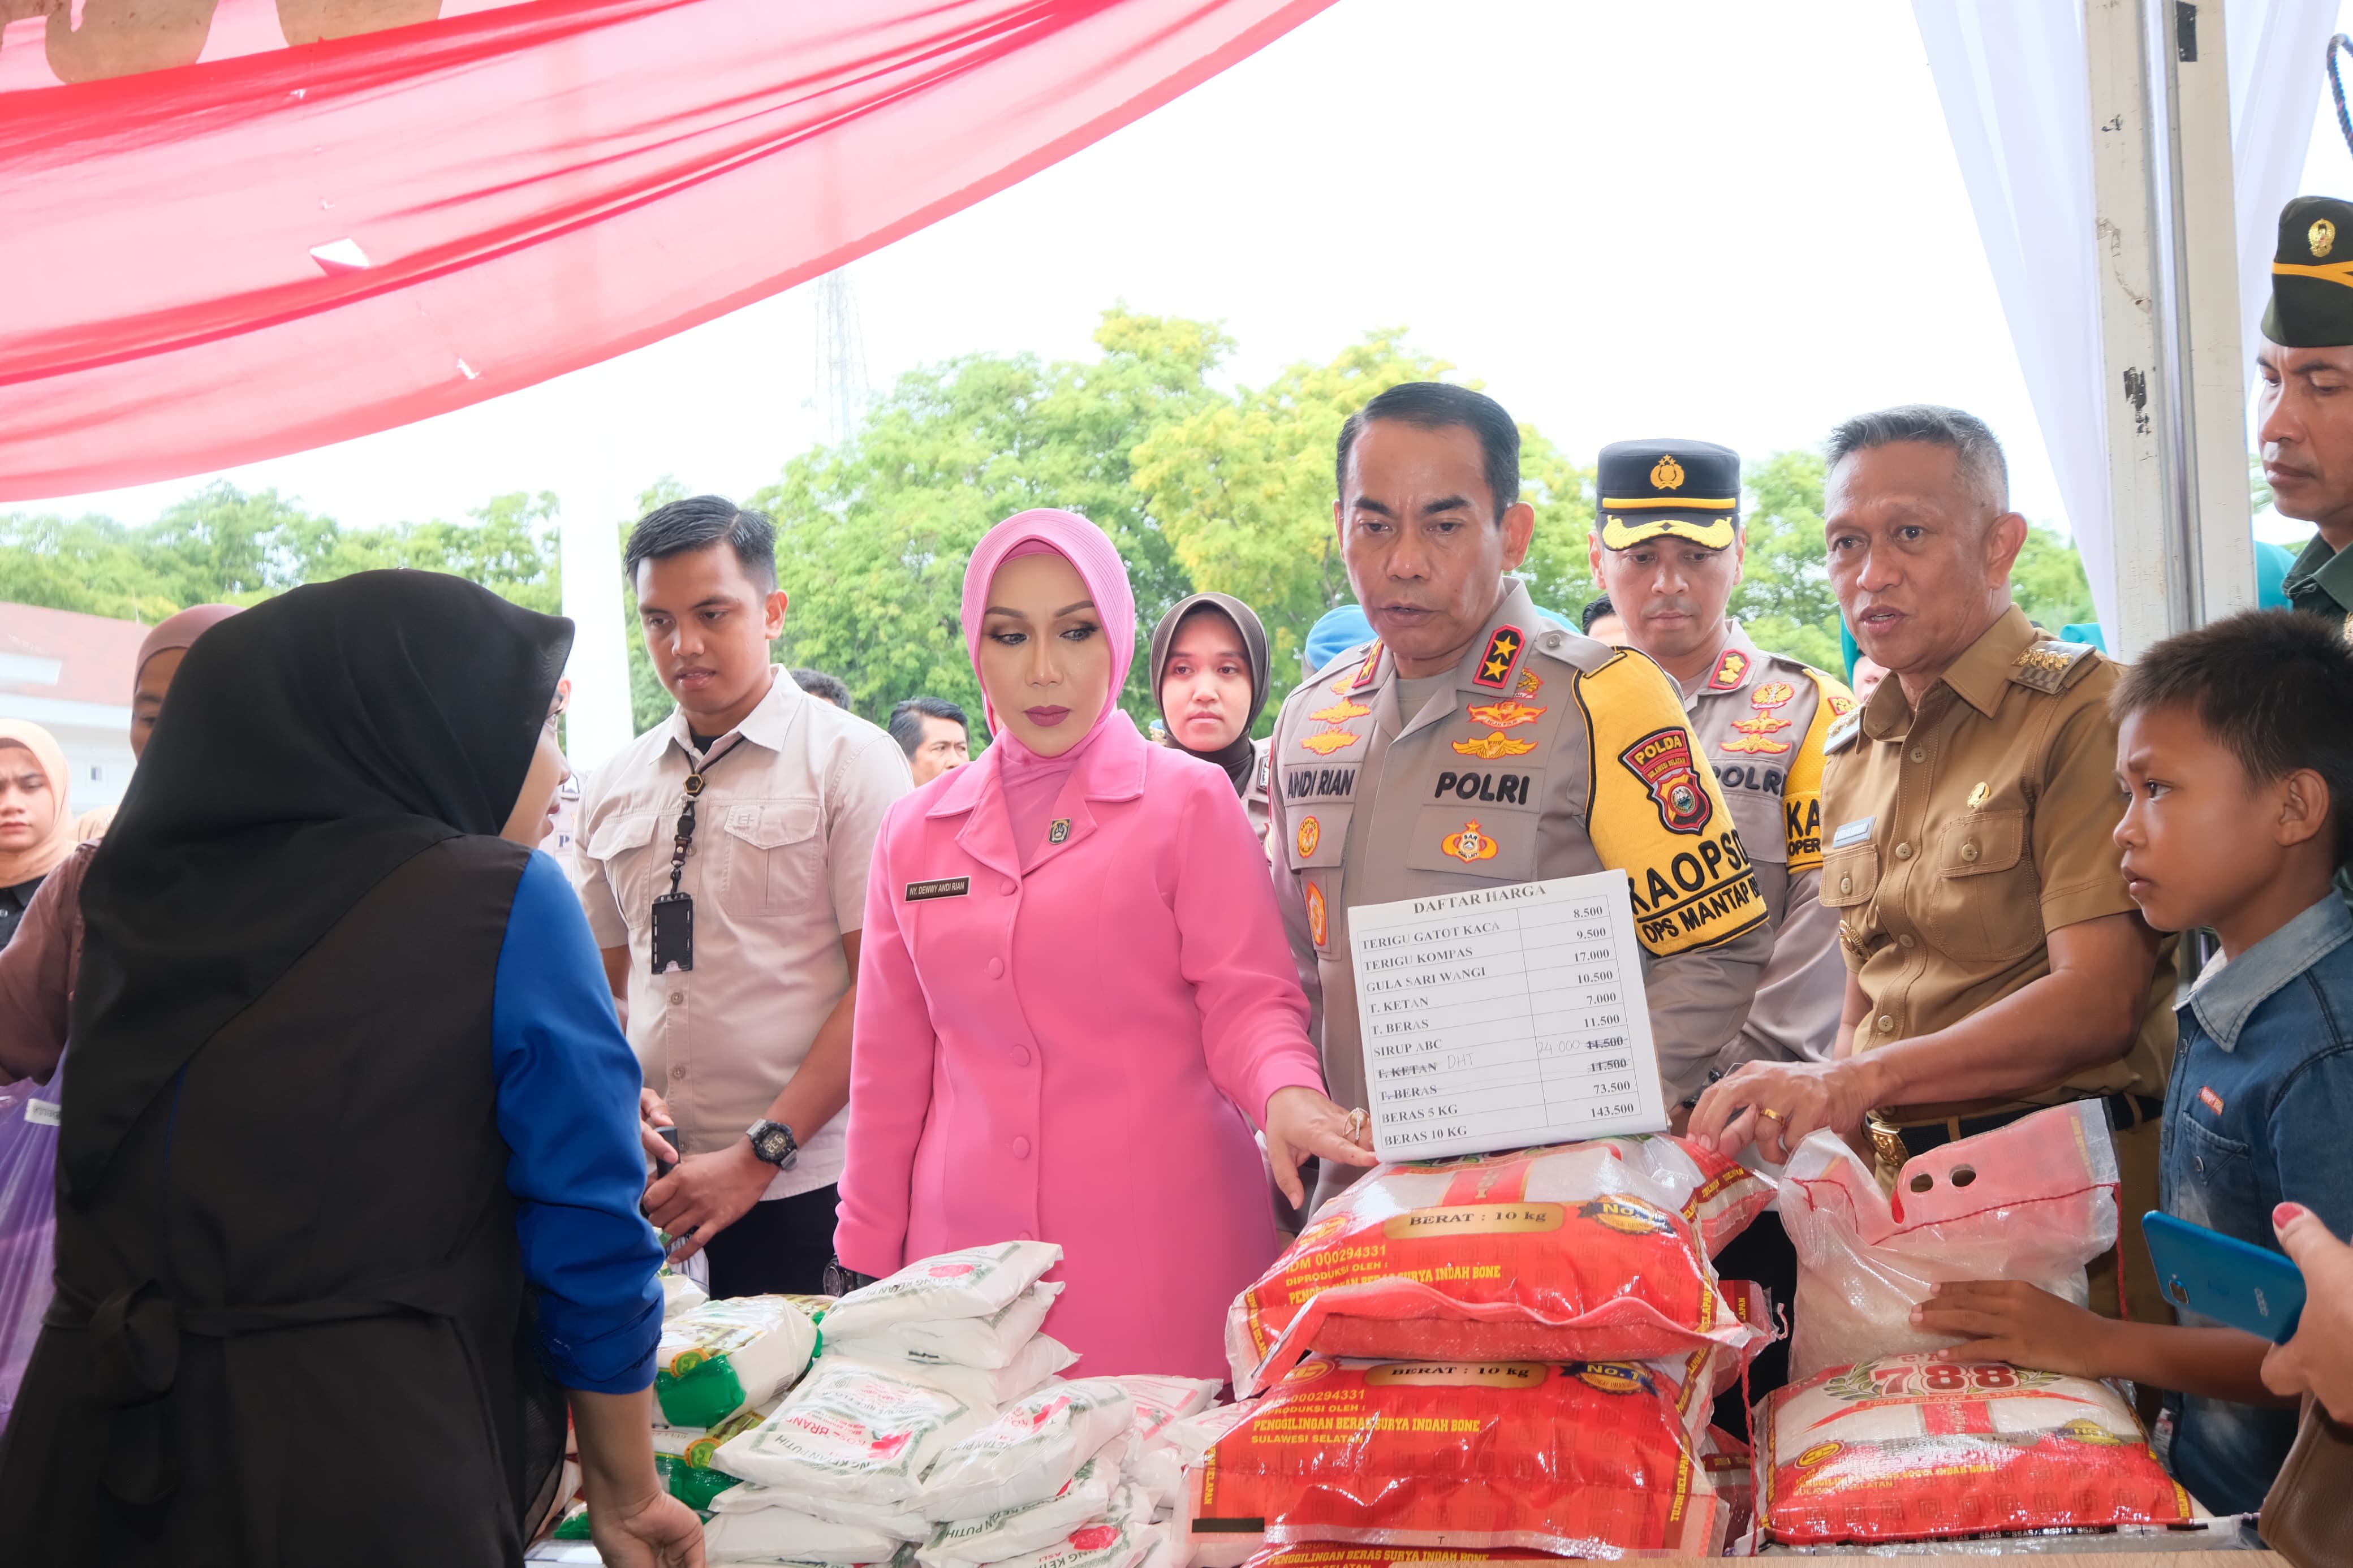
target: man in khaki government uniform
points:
(1667, 547)
(2304, 409)
(1473, 745)
(1997, 963)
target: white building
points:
(71, 674)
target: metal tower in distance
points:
(841, 390)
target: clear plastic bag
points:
(2033, 1201)
(29, 1223)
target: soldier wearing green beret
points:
(2306, 407)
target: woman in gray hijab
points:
(1209, 672)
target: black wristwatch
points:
(772, 1142)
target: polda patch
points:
(1662, 761)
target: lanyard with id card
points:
(674, 912)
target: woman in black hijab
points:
(349, 1170)
(1210, 673)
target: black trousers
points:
(779, 1249)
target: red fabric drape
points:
(228, 261)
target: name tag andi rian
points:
(943, 888)
(1851, 833)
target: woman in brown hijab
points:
(1210, 673)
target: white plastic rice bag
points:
(973, 1283)
(1029, 1452)
(725, 1356)
(1123, 1538)
(969, 1542)
(1160, 1401)
(852, 1431)
(681, 1294)
(2033, 1201)
(888, 1519)
(787, 1535)
(992, 1342)
(1031, 1366)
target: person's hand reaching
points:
(657, 1532)
(702, 1194)
(2007, 1319)
(2318, 1357)
(1300, 1122)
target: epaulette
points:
(2051, 665)
(1844, 732)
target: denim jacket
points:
(2258, 1113)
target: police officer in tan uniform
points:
(1997, 965)
(1471, 744)
(1668, 545)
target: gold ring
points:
(1356, 1119)
(1771, 1115)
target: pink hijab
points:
(179, 631)
(1088, 549)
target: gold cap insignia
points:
(1668, 475)
(2322, 236)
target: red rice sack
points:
(1583, 1460)
(1593, 1251)
(1908, 1447)
(1326, 1555)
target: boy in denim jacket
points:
(2235, 748)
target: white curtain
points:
(2010, 76)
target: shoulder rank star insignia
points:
(1340, 713)
(1495, 745)
(1469, 845)
(1495, 663)
(1311, 834)
(1530, 683)
(1728, 670)
(1365, 671)
(1772, 694)
(1507, 714)
(1323, 743)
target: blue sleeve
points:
(567, 1088)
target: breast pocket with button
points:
(1474, 841)
(623, 846)
(1850, 876)
(2210, 1176)
(1986, 904)
(775, 860)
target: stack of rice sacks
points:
(1507, 1351)
(934, 1431)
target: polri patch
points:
(939, 888)
(1495, 664)
(1662, 761)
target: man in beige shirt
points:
(737, 944)
(1995, 962)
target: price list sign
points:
(1504, 1017)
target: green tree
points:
(1243, 489)
(649, 700)
(1784, 601)
(872, 535)
(2047, 582)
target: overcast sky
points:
(1739, 228)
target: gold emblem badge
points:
(1762, 724)
(1668, 475)
(1841, 706)
(1495, 745)
(1316, 930)
(2323, 237)
(1059, 832)
(1980, 795)
(1755, 745)
(1772, 694)
(1340, 713)
(1469, 845)
(1311, 834)
(1507, 714)
(1323, 743)
(1530, 683)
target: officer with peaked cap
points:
(1471, 745)
(1668, 547)
(2304, 409)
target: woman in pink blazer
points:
(1074, 996)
